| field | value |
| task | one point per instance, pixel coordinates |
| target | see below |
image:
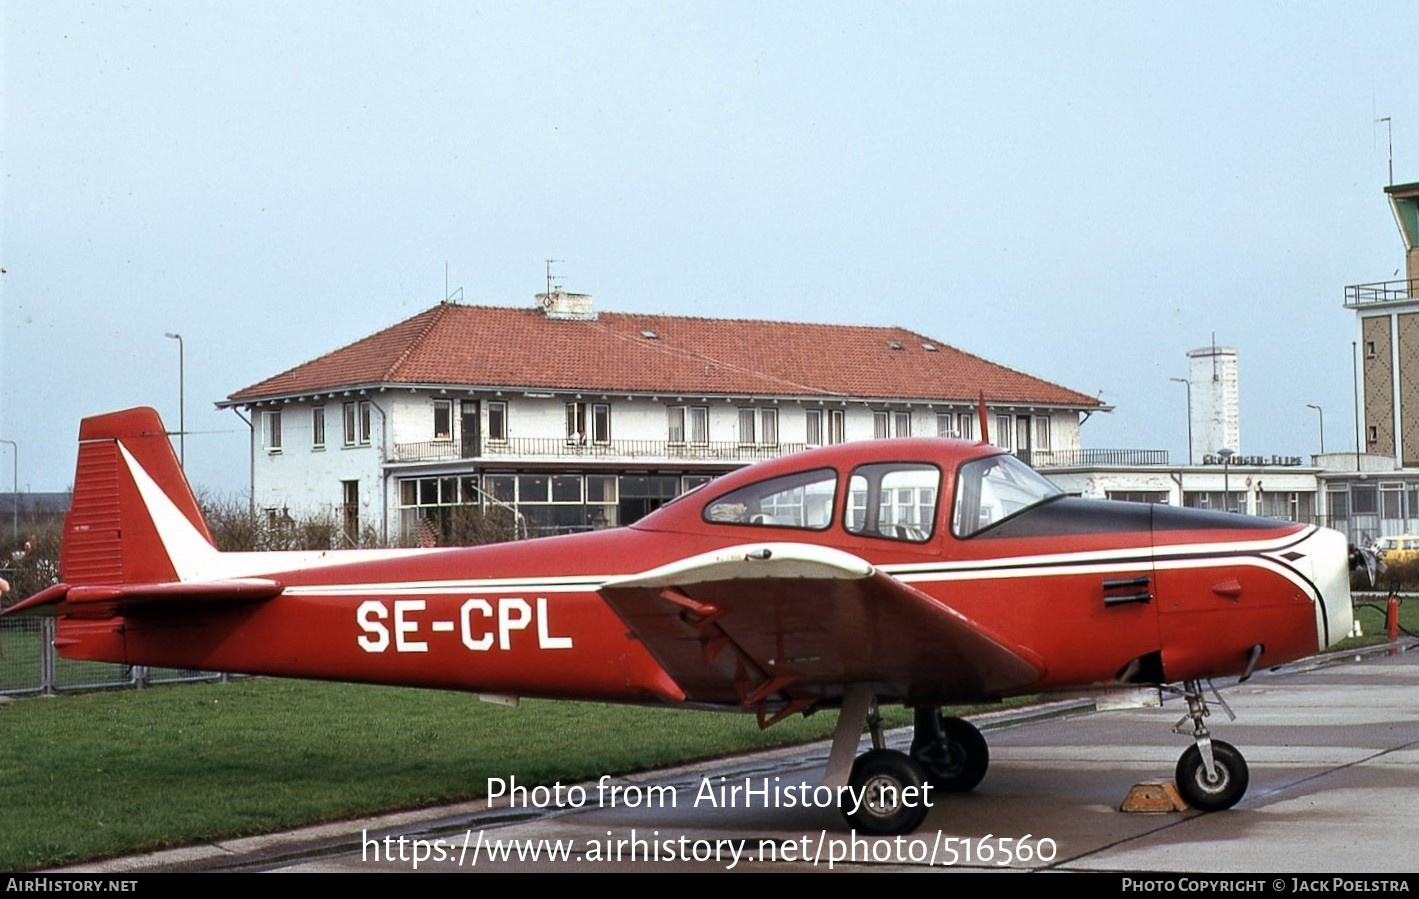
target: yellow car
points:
(1396, 550)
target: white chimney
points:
(560, 304)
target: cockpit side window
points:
(992, 489)
(801, 500)
(894, 500)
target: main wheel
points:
(888, 795)
(1223, 791)
(957, 762)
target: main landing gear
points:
(1211, 774)
(891, 792)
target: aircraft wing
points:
(787, 625)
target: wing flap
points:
(796, 622)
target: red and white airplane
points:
(915, 571)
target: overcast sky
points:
(1081, 191)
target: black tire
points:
(1231, 782)
(958, 763)
(892, 791)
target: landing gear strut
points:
(890, 790)
(1211, 774)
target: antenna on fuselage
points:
(984, 428)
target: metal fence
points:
(30, 665)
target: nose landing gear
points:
(1211, 774)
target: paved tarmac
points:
(1333, 751)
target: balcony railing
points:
(613, 451)
(1381, 292)
(1082, 458)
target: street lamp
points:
(1188, 384)
(1226, 453)
(15, 497)
(1320, 412)
(181, 401)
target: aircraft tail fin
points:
(133, 518)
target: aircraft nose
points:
(1327, 556)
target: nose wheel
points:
(1219, 789)
(1211, 775)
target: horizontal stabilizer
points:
(92, 601)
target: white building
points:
(576, 419)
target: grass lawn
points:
(1371, 616)
(115, 772)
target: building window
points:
(901, 424)
(1139, 496)
(881, 425)
(675, 418)
(1369, 349)
(1041, 432)
(456, 510)
(271, 431)
(1287, 506)
(1372, 434)
(1002, 431)
(497, 422)
(688, 424)
(813, 434)
(758, 427)
(945, 424)
(443, 419)
(837, 426)
(317, 427)
(576, 424)
(966, 426)
(357, 423)
(1233, 501)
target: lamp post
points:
(15, 496)
(1188, 384)
(1226, 453)
(181, 401)
(1321, 413)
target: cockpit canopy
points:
(896, 497)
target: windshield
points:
(992, 489)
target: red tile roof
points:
(502, 347)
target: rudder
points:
(110, 533)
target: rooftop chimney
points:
(559, 304)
